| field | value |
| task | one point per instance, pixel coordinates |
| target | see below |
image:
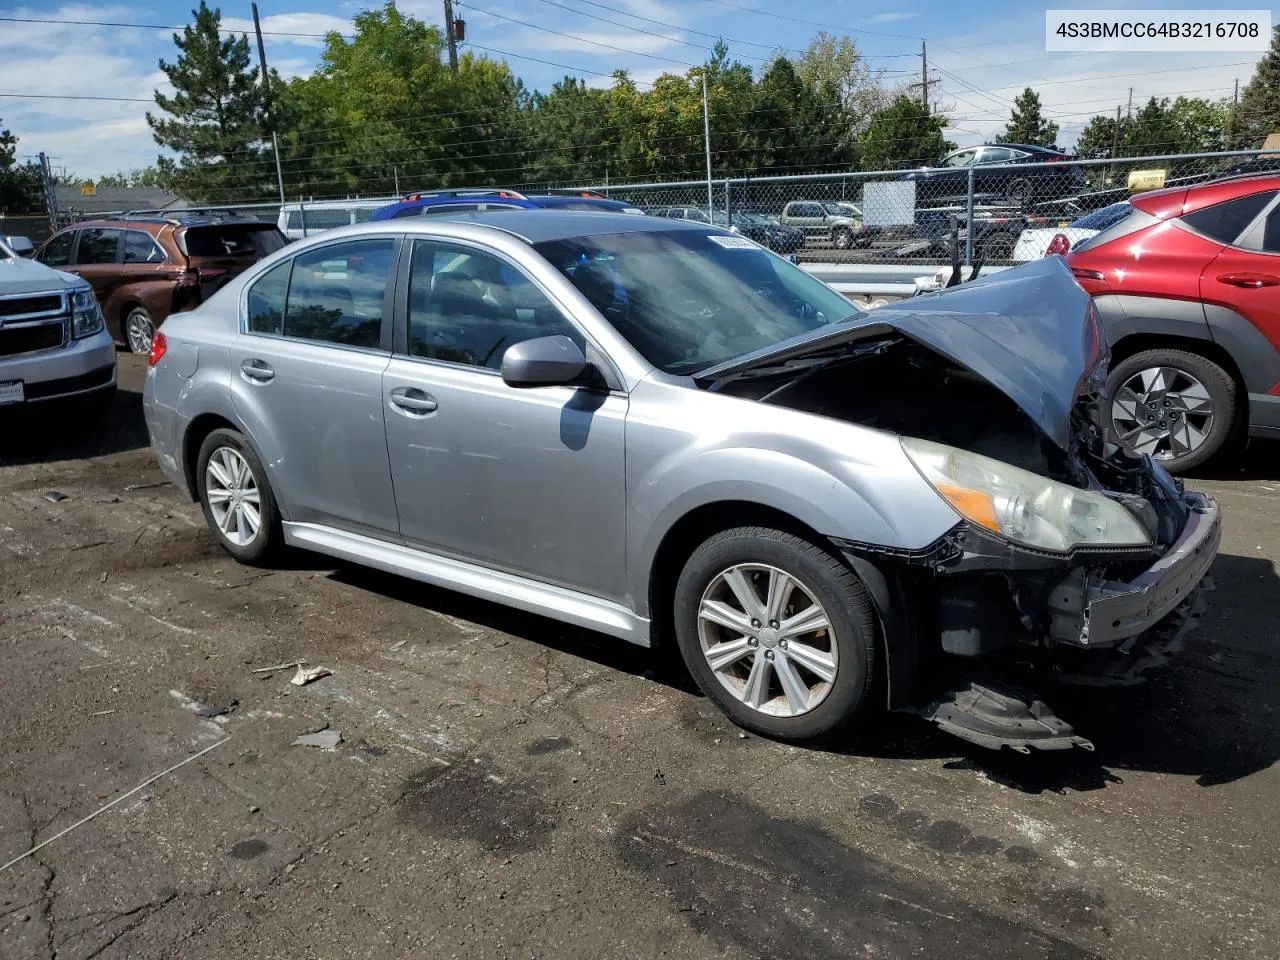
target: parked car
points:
(54, 346)
(1046, 241)
(820, 225)
(442, 202)
(298, 220)
(143, 268)
(658, 430)
(994, 174)
(762, 230)
(696, 214)
(1188, 284)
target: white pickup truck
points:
(54, 345)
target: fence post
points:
(968, 222)
(728, 207)
(302, 216)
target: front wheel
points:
(777, 631)
(236, 497)
(1179, 407)
(843, 239)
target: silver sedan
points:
(663, 432)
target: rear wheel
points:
(1018, 190)
(139, 330)
(1177, 406)
(236, 497)
(842, 238)
(777, 631)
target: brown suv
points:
(144, 268)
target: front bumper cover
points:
(1087, 611)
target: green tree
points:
(835, 63)
(1259, 111)
(20, 186)
(140, 177)
(1027, 124)
(214, 120)
(903, 132)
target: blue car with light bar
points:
(442, 202)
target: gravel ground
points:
(508, 787)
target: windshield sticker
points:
(732, 243)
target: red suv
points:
(1188, 285)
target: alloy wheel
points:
(234, 498)
(1162, 411)
(768, 640)
(139, 331)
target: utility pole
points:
(1115, 135)
(924, 75)
(1128, 113)
(1231, 121)
(266, 97)
(706, 135)
(451, 36)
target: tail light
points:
(158, 346)
(1059, 246)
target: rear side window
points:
(140, 248)
(1224, 222)
(233, 240)
(97, 245)
(57, 252)
(337, 293)
(1271, 233)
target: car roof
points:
(176, 220)
(390, 211)
(541, 226)
(1179, 201)
(552, 202)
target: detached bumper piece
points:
(995, 716)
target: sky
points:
(982, 52)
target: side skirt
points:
(558, 603)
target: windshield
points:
(1106, 217)
(687, 300)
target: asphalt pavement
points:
(504, 786)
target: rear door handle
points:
(257, 371)
(412, 401)
(1252, 280)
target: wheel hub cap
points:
(234, 499)
(767, 639)
(1162, 411)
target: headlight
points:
(1023, 506)
(86, 317)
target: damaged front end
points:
(1073, 562)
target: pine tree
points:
(903, 132)
(1026, 125)
(215, 117)
(20, 190)
(1259, 110)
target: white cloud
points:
(890, 17)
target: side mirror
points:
(22, 246)
(543, 362)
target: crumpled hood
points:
(18, 276)
(1030, 331)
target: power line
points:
(160, 26)
(814, 23)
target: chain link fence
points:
(996, 210)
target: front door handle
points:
(258, 371)
(1251, 280)
(412, 401)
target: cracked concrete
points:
(508, 787)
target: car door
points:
(1245, 275)
(810, 219)
(142, 260)
(97, 260)
(307, 381)
(988, 175)
(526, 480)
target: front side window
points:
(266, 300)
(97, 245)
(996, 154)
(140, 248)
(57, 252)
(687, 300)
(467, 307)
(337, 293)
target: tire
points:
(137, 330)
(997, 248)
(842, 239)
(1177, 406)
(224, 446)
(1018, 191)
(844, 652)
